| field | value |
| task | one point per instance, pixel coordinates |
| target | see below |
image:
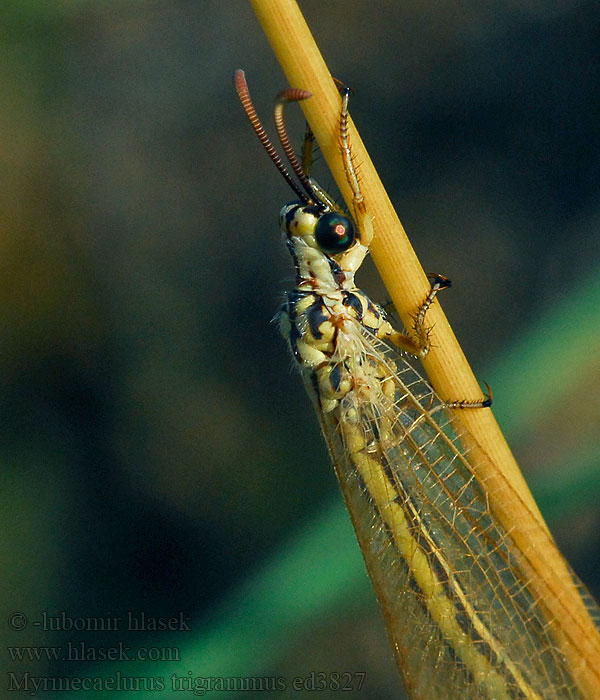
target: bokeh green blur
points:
(157, 453)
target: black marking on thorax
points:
(338, 274)
(335, 377)
(314, 380)
(316, 314)
(293, 298)
(368, 314)
(352, 301)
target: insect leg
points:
(473, 403)
(362, 219)
(308, 150)
(416, 341)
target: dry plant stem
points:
(446, 365)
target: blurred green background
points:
(157, 453)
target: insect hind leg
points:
(485, 402)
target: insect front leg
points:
(359, 210)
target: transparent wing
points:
(452, 586)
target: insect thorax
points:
(326, 316)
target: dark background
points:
(157, 454)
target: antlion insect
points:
(453, 587)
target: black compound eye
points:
(334, 233)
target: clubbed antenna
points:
(293, 95)
(241, 87)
